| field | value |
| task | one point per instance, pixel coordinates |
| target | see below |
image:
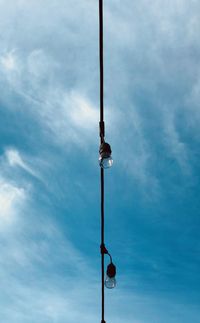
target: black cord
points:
(102, 241)
(101, 60)
(110, 257)
(102, 134)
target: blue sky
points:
(49, 173)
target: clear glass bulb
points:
(110, 282)
(105, 162)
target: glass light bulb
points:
(110, 282)
(105, 162)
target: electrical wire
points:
(102, 134)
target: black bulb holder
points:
(111, 270)
(105, 150)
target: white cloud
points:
(70, 117)
(68, 114)
(11, 198)
(8, 61)
(39, 64)
(175, 146)
(40, 267)
(15, 159)
(82, 113)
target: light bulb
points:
(110, 282)
(105, 158)
(105, 162)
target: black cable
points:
(101, 125)
(101, 60)
(102, 241)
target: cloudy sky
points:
(49, 173)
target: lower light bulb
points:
(110, 282)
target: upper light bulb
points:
(105, 158)
(105, 162)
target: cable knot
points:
(103, 249)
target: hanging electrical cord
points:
(105, 161)
(101, 65)
(102, 134)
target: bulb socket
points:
(111, 270)
(105, 150)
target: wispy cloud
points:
(68, 115)
(176, 147)
(152, 66)
(15, 159)
(8, 61)
(12, 197)
(41, 268)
